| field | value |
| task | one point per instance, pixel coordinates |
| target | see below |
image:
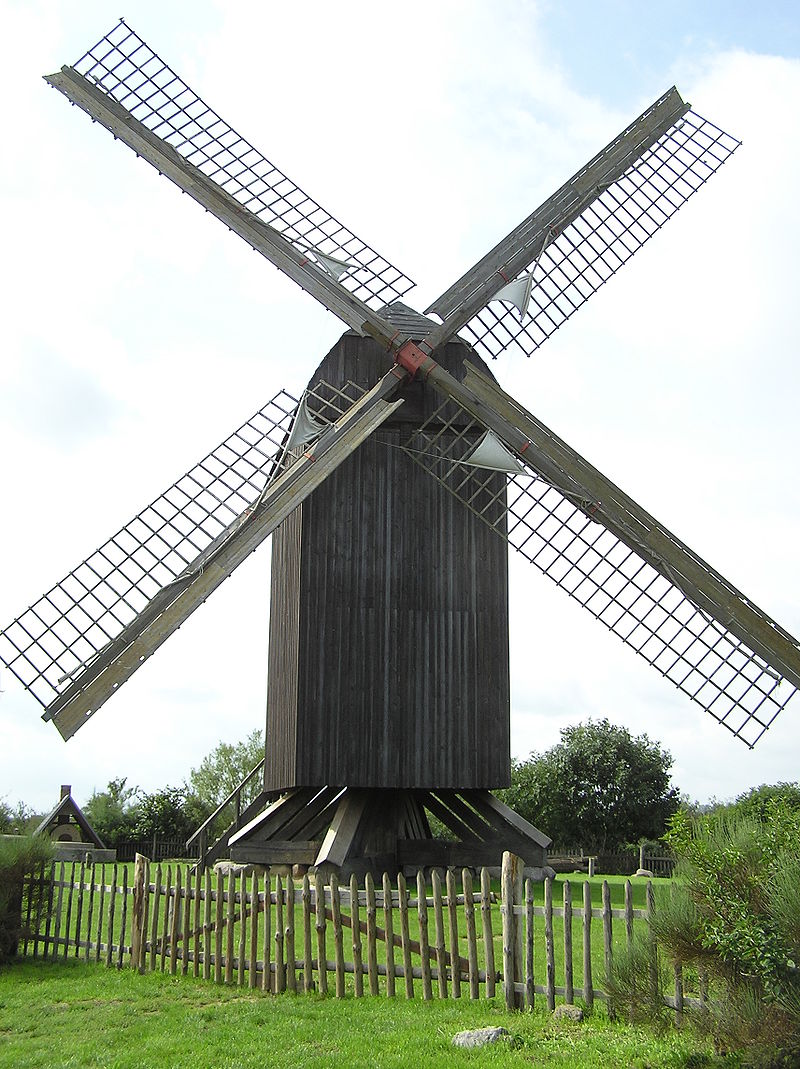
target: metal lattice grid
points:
(74, 620)
(634, 600)
(122, 65)
(577, 260)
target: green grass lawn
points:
(75, 1015)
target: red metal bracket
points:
(410, 357)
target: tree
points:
(221, 771)
(16, 820)
(164, 814)
(599, 787)
(112, 812)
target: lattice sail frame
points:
(122, 65)
(576, 260)
(66, 629)
(635, 601)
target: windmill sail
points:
(88, 634)
(122, 84)
(616, 560)
(587, 230)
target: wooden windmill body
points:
(392, 486)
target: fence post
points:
(138, 911)
(511, 894)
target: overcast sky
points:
(137, 332)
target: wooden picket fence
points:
(456, 936)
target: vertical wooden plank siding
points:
(405, 938)
(569, 983)
(472, 937)
(488, 934)
(322, 953)
(588, 990)
(438, 927)
(549, 945)
(452, 917)
(358, 964)
(338, 941)
(424, 944)
(388, 924)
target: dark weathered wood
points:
(219, 907)
(384, 674)
(242, 949)
(112, 905)
(59, 903)
(100, 914)
(629, 914)
(78, 911)
(511, 890)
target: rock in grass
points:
(480, 1037)
(568, 1013)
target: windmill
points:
(393, 485)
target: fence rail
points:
(456, 936)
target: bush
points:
(19, 856)
(734, 916)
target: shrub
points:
(18, 857)
(734, 916)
